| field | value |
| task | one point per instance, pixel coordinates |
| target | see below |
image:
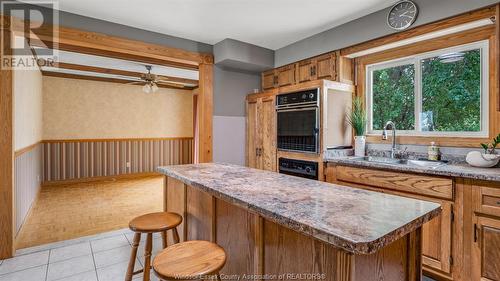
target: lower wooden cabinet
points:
(486, 249)
(436, 234)
(261, 133)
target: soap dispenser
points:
(433, 152)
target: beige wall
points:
(80, 109)
(27, 87)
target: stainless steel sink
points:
(416, 163)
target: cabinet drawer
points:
(416, 184)
(487, 200)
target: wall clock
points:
(402, 15)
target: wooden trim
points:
(100, 179)
(75, 40)
(497, 54)
(71, 66)
(112, 80)
(205, 113)
(7, 220)
(117, 139)
(470, 36)
(431, 27)
(28, 148)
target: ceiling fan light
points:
(146, 88)
(154, 87)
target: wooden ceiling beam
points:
(71, 66)
(112, 80)
(94, 43)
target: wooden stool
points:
(149, 224)
(189, 260)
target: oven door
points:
(298, 129)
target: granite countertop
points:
(448, 170)
(356, 220)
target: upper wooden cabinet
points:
(328, 66)
(269, 79)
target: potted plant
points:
(487, 159)
(357, 119)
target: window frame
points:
(416, 60)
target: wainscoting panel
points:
(79, 159)
(28, 174)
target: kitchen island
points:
(280, 227)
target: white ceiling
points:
(268, 23)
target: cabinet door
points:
(253, 135)
(436, 240)
(305, 71)
(268, 80)
(286, 75)
(268, 131)
(325, 67)
(486, 249)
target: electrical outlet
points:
(38, 178)
(128, 165)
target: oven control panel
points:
(298, 98)
(300, 168)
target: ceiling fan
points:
(151, 81)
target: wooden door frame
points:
(76, 40)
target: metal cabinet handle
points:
(475, 233)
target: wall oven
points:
(298, 121)
(299, 168)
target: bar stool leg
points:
(164, 239)
(133, 256)
(176, 235)
(218, 276)
(147, 257)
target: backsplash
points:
(454, 155)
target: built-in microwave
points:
(298, 121)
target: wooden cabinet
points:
(261, 133)
(286, 75)
(436, 234)
(486, 231)
(326, 66)
(329, 66)
(269, 79)
(486, 249)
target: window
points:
(442, 93)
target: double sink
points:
(407, 162)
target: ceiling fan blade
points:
(134, 83)
(170, 84)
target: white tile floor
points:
(102, 257)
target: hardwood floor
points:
(69, 211)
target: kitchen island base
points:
(259, 248)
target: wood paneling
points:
(28, 173)
(268, 123)
(70, 211)
(253, 140)
(416, 184)
(200, 212)
(236, 229)
(289, 252)
(6, 151)
(66, 160)
(175, 201)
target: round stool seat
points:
(189, 260)
(155, 222)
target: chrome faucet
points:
(384, 136)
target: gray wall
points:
(240, 55)
(370, 27)
(230, 90)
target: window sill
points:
(426, 140)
